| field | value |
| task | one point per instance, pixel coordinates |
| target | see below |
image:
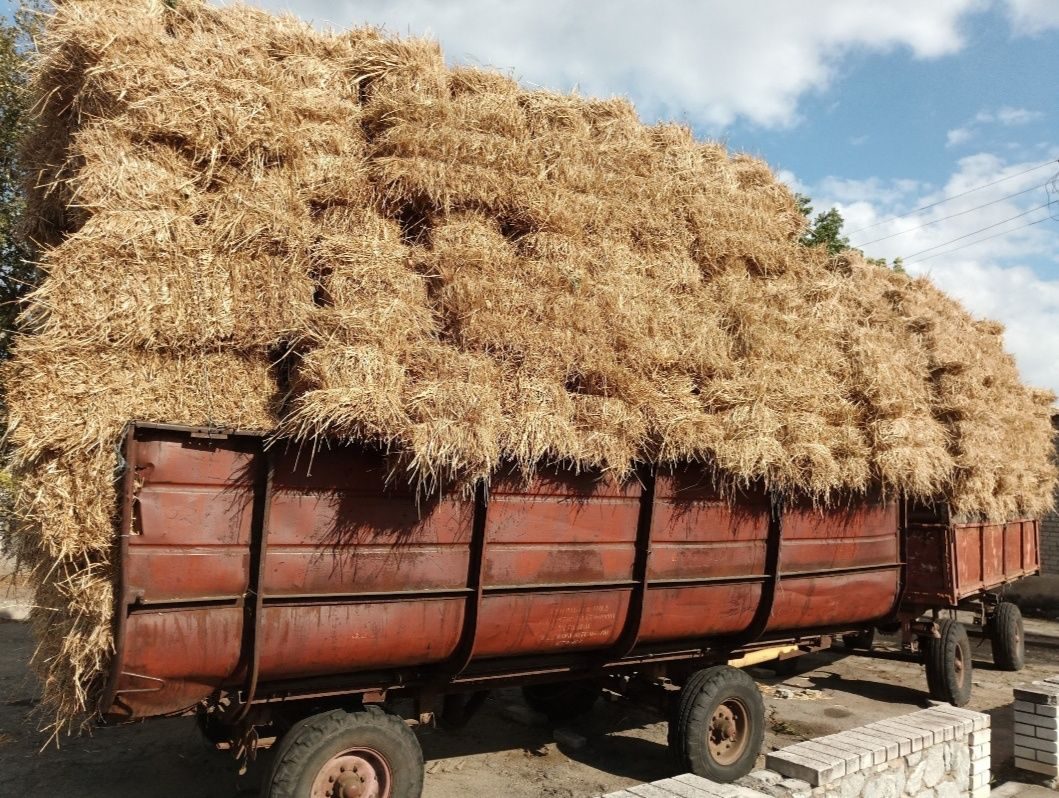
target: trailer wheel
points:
(948, 661)
(719, 724)
(1009, 644)
(364, 754)
(562, 701)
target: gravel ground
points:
(623, 742)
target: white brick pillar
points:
(1037, 727)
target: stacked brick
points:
(1050, 525)
(1037, 727)
(1050, 543)
(941, 752)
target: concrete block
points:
(1027, 729)
(978, 779)
(885, 748)
(1047, 711)
(980, 766)
(1038, 693)
(831, 754)
(649, 791)
(902, 740)
(980, 792)
(803, 766)
(1034, 720)
(865, 756)
(1051, 746)
(841, 763)
(1025, 753)
(677, 789)
(945, 727)
(917, 737)
(979, 737)
(1047, 758)
(1046, 734)
(1024, 706)
(979, 720)
(711, 789)
(1034, 766)
(681, 790)
(981, 751)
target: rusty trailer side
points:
(953, 566)
(951, 563)
(254, 573)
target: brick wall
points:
(942, 752)
(1050, 528)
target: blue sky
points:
(875, 107)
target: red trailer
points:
(959, 566)
(272, 589)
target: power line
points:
(954, 196)
(979, 241)
(954, 215)
(976, 232)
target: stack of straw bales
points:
(246, 222)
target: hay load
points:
(243, 221)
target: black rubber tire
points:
(313, 741)
(859, 641)
(703, 693)
(941, 655)
(1008, 637)
(562, 701)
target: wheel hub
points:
(356, 773)
(728, 732)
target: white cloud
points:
(710, 61)
(1027, 305)
(958, 136)
(1008, 116)
(1006, 277)
(1005, 115)
(887, 192)
(1033, 16)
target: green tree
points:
(16, 271)
(826, 230)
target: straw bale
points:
(467, 273)
(71, 620)
(432, 400)
(67, 407)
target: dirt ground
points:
(624, 742)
